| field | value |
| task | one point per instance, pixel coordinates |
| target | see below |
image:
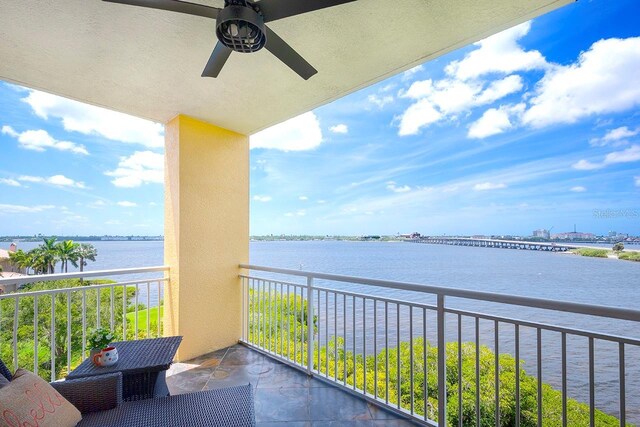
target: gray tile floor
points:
(283, 396)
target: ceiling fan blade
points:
(173, 6)
(278, 9)
(216, 61)
(290, 57)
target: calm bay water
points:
(527, 273)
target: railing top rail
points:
(77, 275)
(565, 306)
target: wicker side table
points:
(143, 364)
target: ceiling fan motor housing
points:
(241, 28)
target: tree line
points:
(45, 258)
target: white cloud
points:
(500, 88)
(411, 71)
(614, 137)
(297, 134)
(605, 79)
(10, 182)
(90, 120)
(303, 198)
(418, 115)
(40, 140)
(578, 189)
(56, 180)
(637, 180)
(392, 186)
(380, 101)
(489, 186)
(495, 121)
(629, 155)
(19, 209)
(301, 212)
(499, 53)
(586, 165)
(126, 204)
(341, 128)
(450, 97)
(259, 198)
(142, 167)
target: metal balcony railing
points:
(422, 356)
(44, 327)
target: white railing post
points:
(310, 325)
(442, 364)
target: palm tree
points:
(21, 259)
(84, 252)
(49, 254)
(67, 251)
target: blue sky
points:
(535, 127)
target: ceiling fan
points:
(240, 27)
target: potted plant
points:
(99, 339)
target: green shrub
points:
(597, 253)
(629, 256)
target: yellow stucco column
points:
(206, 233)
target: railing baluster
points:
(497, 371)
(411, 395)
(353, 339)
(564, 379)
(161, 304)
(478, 372)
(124, 315)
(68, 331)
(16, 309)
(375, 348)
(310, 336)
(539, 362)
(148, 311)
(386, 351)
(282, 319)
(98, 307)
(84, 324)
(398, 373)
(112, 313)
(36, 361)
(623, 406)
(460, 370)
(442, 364)
(517, 337)
(52, 341)
(424, 363)
(335, 336)
(364, 345)
(592, 381)
(135, 336)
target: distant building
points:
(574, 235)
(541, 233)
(415, 235)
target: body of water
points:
(518, 272)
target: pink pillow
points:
(28, 400)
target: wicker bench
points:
(99, 399)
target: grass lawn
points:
(142, 320)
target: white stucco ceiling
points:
(148, 62)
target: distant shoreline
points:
(39, 238)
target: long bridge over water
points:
(496, 243)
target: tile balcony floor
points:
(284, 396)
